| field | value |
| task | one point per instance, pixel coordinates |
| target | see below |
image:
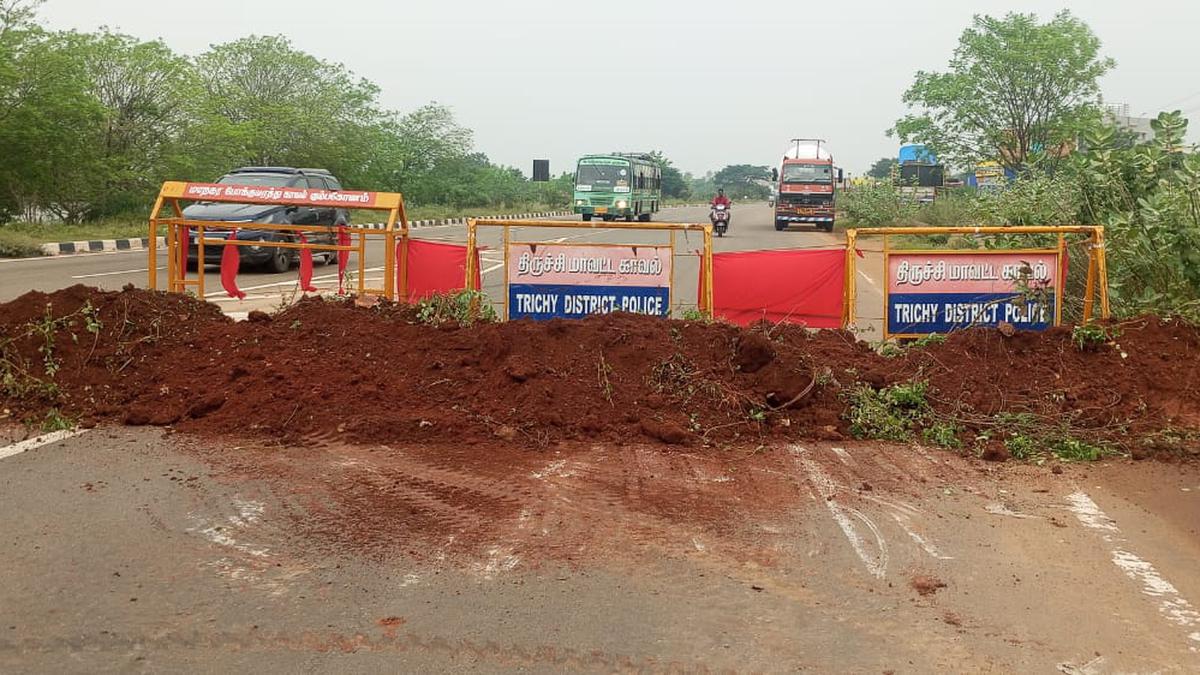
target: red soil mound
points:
(328, 369)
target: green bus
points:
(618, 185)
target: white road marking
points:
(869, 279)
(500, 559)
(39, 441)
(113, 274)
(925, 544)
(1002, 510)
(828, 489)
(1172, 604)
(248, 512)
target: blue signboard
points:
(543, 301)
(923, 313)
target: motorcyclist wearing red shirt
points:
(721, 199)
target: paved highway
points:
(752, 229)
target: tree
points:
(673, 183)
(882, 168)
(146, 92)
(1015, 88)
(47, 119)
(744, 180)
(281, 106)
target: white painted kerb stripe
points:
(38, 441)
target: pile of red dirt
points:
(325, 370)
(1141, 378)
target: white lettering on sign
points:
(537, 303)
(916, 312)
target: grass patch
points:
(18, 245)
(888, 414)
(463, 308)
(1091, 335)
(117, 227)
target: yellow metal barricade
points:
(175, 193)
(1096, 288)
(705, 299)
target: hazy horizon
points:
(709, 84)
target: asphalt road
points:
(752, 229)
(131, 550)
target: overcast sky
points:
(709, 83)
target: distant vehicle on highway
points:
(273, 259)
(618, 185)
(918, 173)
(806, 185)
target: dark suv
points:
(274, 259)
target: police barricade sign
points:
(937, 292)
(571, 281)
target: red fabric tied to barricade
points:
(231, 259)
(343, 257)
(805, 287)
(306, 267)
(434, 267)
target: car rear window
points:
(267, 179)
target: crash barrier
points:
(937, 290)
(224, 234)
(800, 286)
(433, 267)
(561, 279)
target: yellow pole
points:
(1089, 292)
(178, 254)
(507, 236)
(172, 259)
(470, 266)
(152, 245)
(671, 281)
(1060, 288)
(1102, 268)
(851, 291)
(199, 262)
(708, 271)
(389, 256)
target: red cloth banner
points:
(306, 267)
(231, 259)
(434, 267)
(343, 239)
(805, 287)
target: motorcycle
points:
(720, 219)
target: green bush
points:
(462, 307)
(889, 414)
(17, 245)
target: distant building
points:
(1140, 127)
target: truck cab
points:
(805, 186)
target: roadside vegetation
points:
(93, 124)
(1071, 163)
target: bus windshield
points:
(602, 176)
(807, 173)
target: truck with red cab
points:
(806, 183)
